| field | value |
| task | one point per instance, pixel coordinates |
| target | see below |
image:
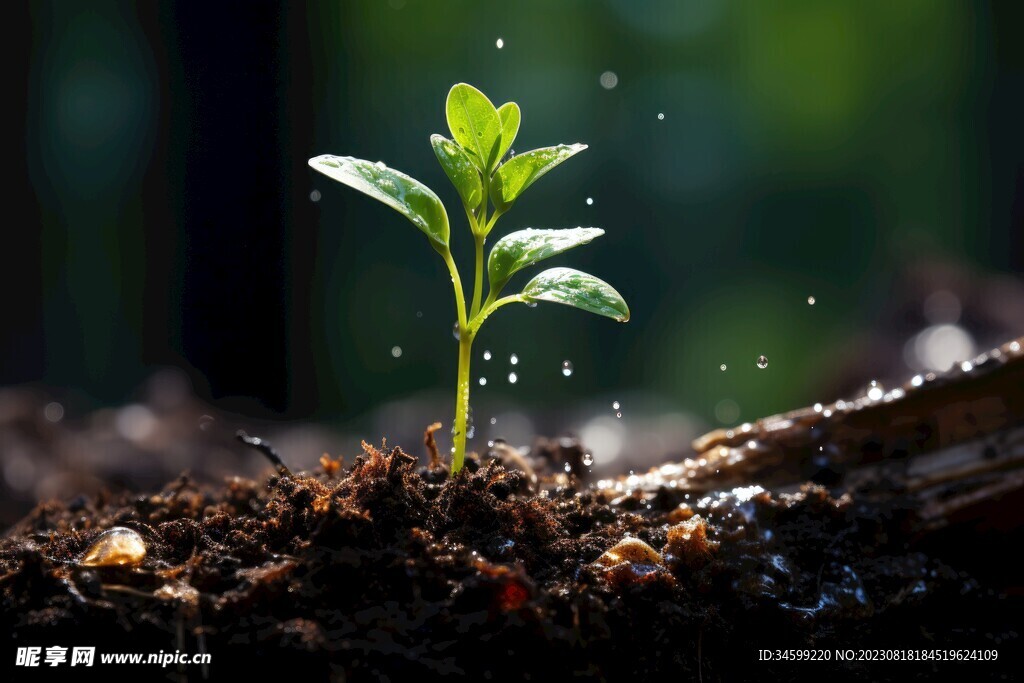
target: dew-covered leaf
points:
(519, 172)
(460, 169)
(406, 195)
(579, 289)
(509, 116)
(523, 248)
(474, 124)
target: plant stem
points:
(478, 280)
(460, 297)
(462, 401)
(491, 307)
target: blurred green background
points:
(868, 154)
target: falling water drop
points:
(314, 196)
(661, 116)
(483, 381)
(500, 43)
(762, 362)
(53, 412)
(494, 420)
(567, 368)
(487, 355)
(590, 201)
(722, 367)
(810, 300)
(619, 414)
(513, 359)
(568, 468)
(609, 79)
(396, 351)
(588, 458)
(615, 405)
(513, 378)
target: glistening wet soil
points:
(379, 569)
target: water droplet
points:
(722, 367)
(917, 380)
(810, 300)
(615, 405)
(470, 431)
(661, 116)
(588, 459)
(817, 407)
(875, 391)
(483, 381)
(531, 304)
(618, 414)
(53, 412)
(396, 351)
(609, 79)
(590, 201)
(568, 468)
(513, 359)
(419, 314)
(494, 420)
(500, 43)
(135, 422)
(727, 411)
(567, 368)
(381, 165)
(513, 378)
(456, 332)
(966, 366)
(762, 362)
(487, 355)
(314, 196)
(115, 547)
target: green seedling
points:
(488, 187)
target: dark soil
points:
(383, 570)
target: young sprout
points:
(488, 188)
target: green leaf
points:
(579, 289)
(519, 172)
(474, 123)
(406, 195)
(523, 248)
(509, 116)
(460, 169)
